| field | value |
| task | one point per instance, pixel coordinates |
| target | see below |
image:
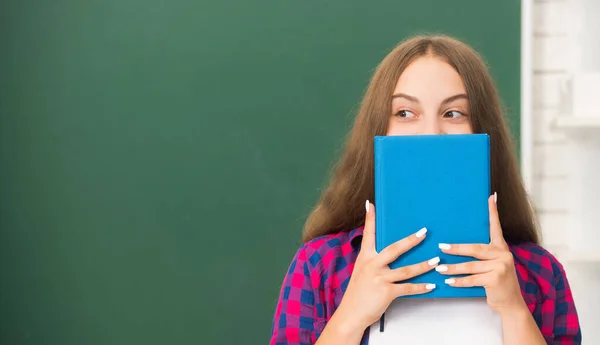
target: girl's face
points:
(429, 98)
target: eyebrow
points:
(416, 100)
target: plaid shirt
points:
(321, 269)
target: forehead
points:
(429, 75)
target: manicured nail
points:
(434, 261)
(441, 268)
(495, 197)
(421, 232)
(450, 281)
(367, 206)
(430, 286)
(444, 246)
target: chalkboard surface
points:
(158, 158)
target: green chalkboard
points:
(158, 158)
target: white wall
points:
(550, 65)
(555, 23)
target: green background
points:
(158, 158)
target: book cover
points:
(441, 182)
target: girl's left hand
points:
(495, 272)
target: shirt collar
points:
(356, 237)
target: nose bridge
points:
(431, 124)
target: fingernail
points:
(367, 206)
(434, 261)
(450, 281)
(495, 197)
(444, 246)
(421, 232)
(441, 268)
(430, 286)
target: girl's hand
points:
(373, 286)
(496, 272)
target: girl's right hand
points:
(373, 285)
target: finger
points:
(472, 267)
(394, 250)
(407, 272)
(479, 251)
(412, 289)
(496, 236)
(482, 279)
(368, 238)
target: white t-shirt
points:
(417, 321)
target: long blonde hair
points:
(341, 206)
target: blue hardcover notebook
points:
(441, 182)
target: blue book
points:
(441, 182)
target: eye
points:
(453, 114)
(405, 114)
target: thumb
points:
(496, 236)
(368, 239)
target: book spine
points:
(487, 163)
(377, 146)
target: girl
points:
(338, 285)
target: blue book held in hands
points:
(441, 182)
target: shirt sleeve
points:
(566, 323)
(293, 323)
